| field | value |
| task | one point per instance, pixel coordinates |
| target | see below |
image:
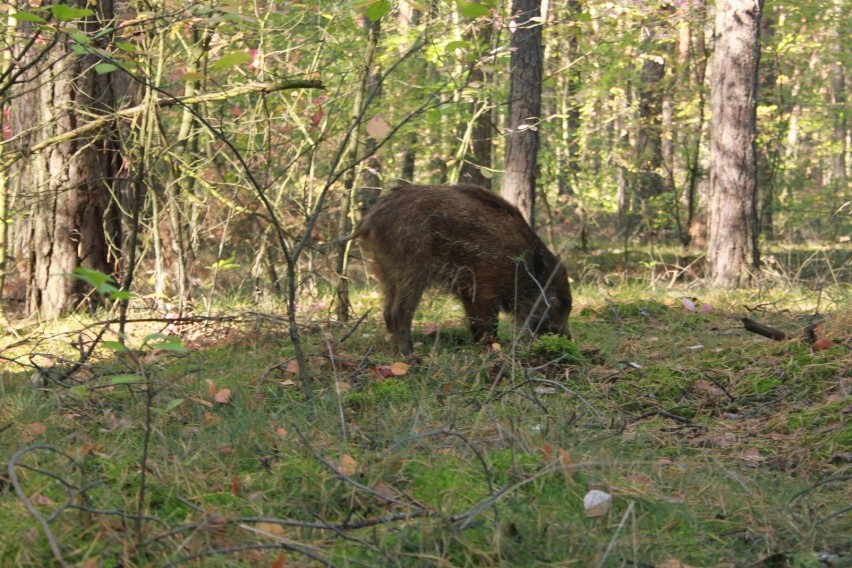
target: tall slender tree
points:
(520, 162)
(732, 251)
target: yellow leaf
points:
(399, 368)
(271, 528)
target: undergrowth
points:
(718, 447)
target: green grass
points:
(719, 447)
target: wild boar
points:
(474, 244)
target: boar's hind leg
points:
(400, 303)
(482, 316)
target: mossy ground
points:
(718, 446)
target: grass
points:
(718, 447)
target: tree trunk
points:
(519, 179)
(649, 143)
(344, 306)
(731, 247)
(65, 188)
(477, 157)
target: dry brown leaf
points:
(546, 451)
(348, 465)
(235, 485)
(674, 563)
(281, 432)
(293, 366)
(280, 561)
(288, 383)
(640, 478)
(822, 344)
(386, 490)
(270, 528)
(398, 368)
(208, 418)
(223, 396)
(202, 402)
(32, 431)
(211, 387)
(566, 462)
(431, 328)
(383, 371)
(341, 387)
(40, 499)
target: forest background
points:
(175, 176)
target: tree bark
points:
(64, 191)
(731, 249)
(519, 179)
(477, 157)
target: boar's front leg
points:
(482, 316)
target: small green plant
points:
(558, 346)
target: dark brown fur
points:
(471, 242)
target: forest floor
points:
(707, 444)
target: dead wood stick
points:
(764, 330)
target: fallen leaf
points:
(383, 371)
(32, 431)
(293, 367)
(640, 478)
(225, 451)
(201, 401)
(753, 456)
(235, 485)
(566, 462)
(546, 451)
(281, 432)
(705, 308)
(223, 396)
(348, 465)
(288, 383)
(398, 368)
(211, 387)
(687, 304)
(495, 347)
(708, 389)
(431, 328)
(342, 387)
(674, 563)
(597, 503)
(40, 499)
(279, 562)
(208, 418)
(270, 528)
(822, 344)
(386, 490)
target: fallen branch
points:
(764, 330)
